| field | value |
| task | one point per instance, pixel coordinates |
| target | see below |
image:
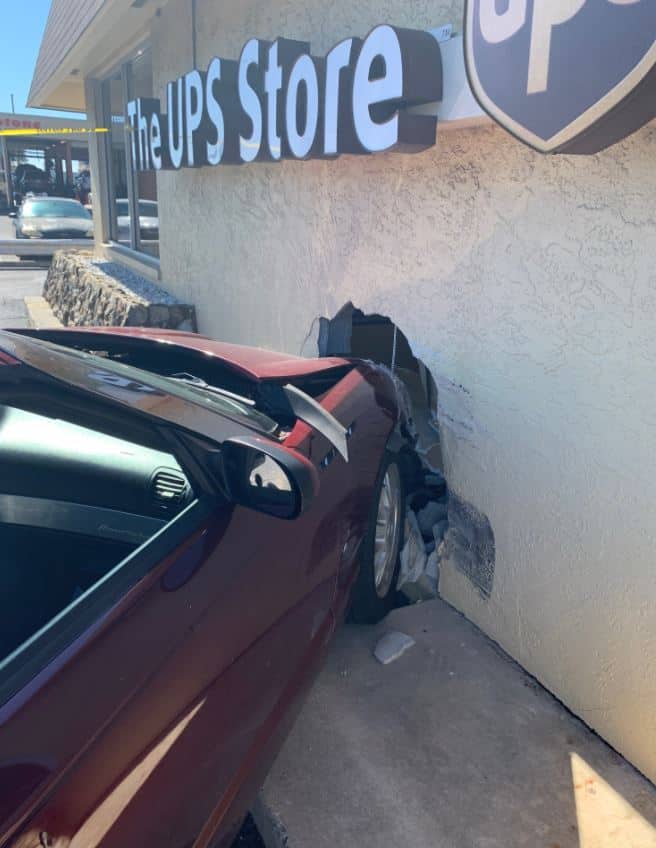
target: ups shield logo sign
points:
(570, 76)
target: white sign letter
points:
(249, 147)
(215, 113)
(338, 59)
(175, 150)
(193, 110)
(272, 85)
(155, 142)
(382, 49)
(546, 15)
(303, 74)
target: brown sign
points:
(14, 124)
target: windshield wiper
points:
(199, 383)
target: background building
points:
(58, 150)
(524, 283)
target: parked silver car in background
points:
(148, 220)
(52, 217)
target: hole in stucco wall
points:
(439, 524)
(375, 337)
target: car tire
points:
(374, 592)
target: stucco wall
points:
(528, 286)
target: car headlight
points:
(31, 230)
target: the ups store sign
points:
(570, 76)
(279, 102)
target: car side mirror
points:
(13, 214)
(266, 477)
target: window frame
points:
(124, 68)
(72, 626)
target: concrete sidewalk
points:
(15, 286)
(7, 229)
(451, 746)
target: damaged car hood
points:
(249, 362)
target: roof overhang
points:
(113, 29)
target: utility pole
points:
(12, 104)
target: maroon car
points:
(183, 525)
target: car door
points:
(155, 720)
(161, 722)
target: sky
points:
(23, 22)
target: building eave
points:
(67, 58)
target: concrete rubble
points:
(392, 646)
(426, 525)
(430, 515)
(413, 554)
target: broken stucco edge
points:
(469, 542)
(453, 413)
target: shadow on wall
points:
(466, 537)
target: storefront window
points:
(145, 182)
(134, 215)
(4, 183)
(117, 160)
(4, 191)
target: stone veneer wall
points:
(86, 292)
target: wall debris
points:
(425, 526)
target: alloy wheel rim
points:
(388, 529)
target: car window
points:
(147, 209)
(75, 504)
(53, 209)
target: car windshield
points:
(230, 406)
(53, 209)
(147, 208)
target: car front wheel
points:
(375, 588)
